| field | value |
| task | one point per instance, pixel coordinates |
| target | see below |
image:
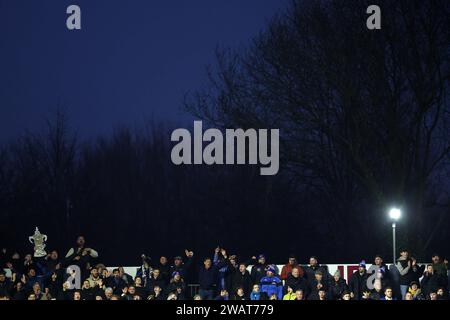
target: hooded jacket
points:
(272, 285)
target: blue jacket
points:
(255, 296)
(272, 285)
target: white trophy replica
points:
(38, 240)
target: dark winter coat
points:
(207, 278)
(172, 287)
(376, 295)
(314, 291)
(417, 273)
(183, 269)
(241, 280)
(165, 272)
(6, 287)
(406, 271)
(258, 272)
(229, 274)
(358, 284)
(336, 289)
(142, 292)
(87, 294)
(65, 295)
(310, 272)
(431, 282)
(296, 284)
(153, 282)
(117, 284)
(19, 295)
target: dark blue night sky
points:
(131, 62)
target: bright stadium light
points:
(394, 214)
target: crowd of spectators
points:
(219, 277)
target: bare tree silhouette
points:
(364, 115)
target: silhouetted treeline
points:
(125, 195)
